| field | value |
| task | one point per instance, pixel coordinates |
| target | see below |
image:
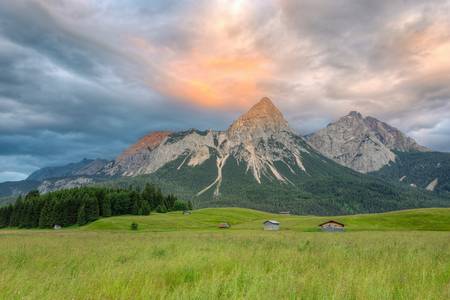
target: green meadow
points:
(397, 255)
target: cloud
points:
(12, 176)
(87, 78)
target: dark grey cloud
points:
(85, 79)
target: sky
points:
(85, 79)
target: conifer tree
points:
(144, 209)
(91, 208)
(46, 215)
(161, 208)
(81, 220)
(106, 207)
(159, 198)
(148, 194)
(135, 203)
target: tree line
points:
(86, 204)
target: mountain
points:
(260, 139)
(427, 170)
(84, 167)
(364, 144)
(258, 162)
(52, 178)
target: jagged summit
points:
(355, 114)
(364, 144)
(262, 119)
(148, 142)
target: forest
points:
(80, 206)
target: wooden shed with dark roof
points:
(332, 226)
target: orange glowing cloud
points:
(222, 69)
(429, 48)
(217, 81)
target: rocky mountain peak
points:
(146, 143)
(264, 118)
(393, 138)
(364, 144)
(355, 114)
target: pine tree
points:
(159, 198)
(180, 205)
(106, 206)
(5, 215)
(32, 194)
(15, 215)
(46, 215)
(135, 200)
(161, 208)
(148, 194)
(170, 201)
(91, 209)
(81, 220)
(144, 209)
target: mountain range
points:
(261, 162)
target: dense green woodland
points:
(83, 205)
(420, 168)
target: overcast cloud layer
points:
(87, 78)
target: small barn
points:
(332, 226)
(186, 212)
(57, 227)
(224, 225)
(271, 225)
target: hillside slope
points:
(432, 219)
(428, 170)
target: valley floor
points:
(245, 263)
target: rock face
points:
(258, 139)
(64, 183)
(392, 137)
(363, 144)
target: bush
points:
(180, 205)
(134, 226)
(161, 208)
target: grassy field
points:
(173, 256)
(432, 219)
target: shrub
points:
(180, 205)
(134, 226)
(161, 208)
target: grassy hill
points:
(433, 219)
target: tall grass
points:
(240, 264)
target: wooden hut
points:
(186, 212)
(224, 225)
(271, 225)
(332, 226)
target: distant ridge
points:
(364, 144)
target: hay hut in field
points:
(271, 225)
(224, 225)
(332, 226)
